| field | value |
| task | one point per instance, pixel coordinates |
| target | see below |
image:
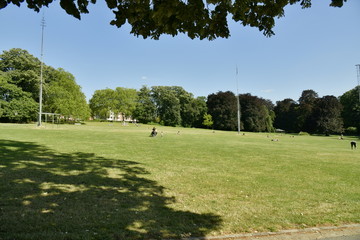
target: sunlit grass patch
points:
(109, 181)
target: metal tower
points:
(358, 78)
(41, 69)
(238, 100)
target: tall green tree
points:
(167, 104)
(188, 111)
(16, 105)
(126, 99)
(23, 69)
(255, 114)
(61, 94)
(351, 108)
(196, 18)
(327, 113)
(191, 109)
(199, 104)
(306, 118)
(145, 110)
(102, 102)
(286, 114)
(222, 106)
(65, 97)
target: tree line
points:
(19, 89)
(167, 105)
(311, 113)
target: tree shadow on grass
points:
(50, 195)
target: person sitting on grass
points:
(153, 132)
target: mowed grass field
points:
(108, 181)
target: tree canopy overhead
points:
(196, 18)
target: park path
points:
(345, 232)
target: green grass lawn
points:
(108, 181)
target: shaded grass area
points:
(107, 181)
(51, 195)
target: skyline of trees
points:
(310, 114)
(166, 105)
(219, 110)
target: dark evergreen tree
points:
(327, 113)
(306, 119)
(255, 113)
(286, 115)
(222, 106)
(351, 108)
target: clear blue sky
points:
(315, 48)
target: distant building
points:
(120, 117)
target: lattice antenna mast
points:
(358, 78)
(41, 68)
(238, 100)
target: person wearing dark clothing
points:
(153, 132)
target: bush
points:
(351, 130)
(304, 134)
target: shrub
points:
(351, 130)
(304, 134)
